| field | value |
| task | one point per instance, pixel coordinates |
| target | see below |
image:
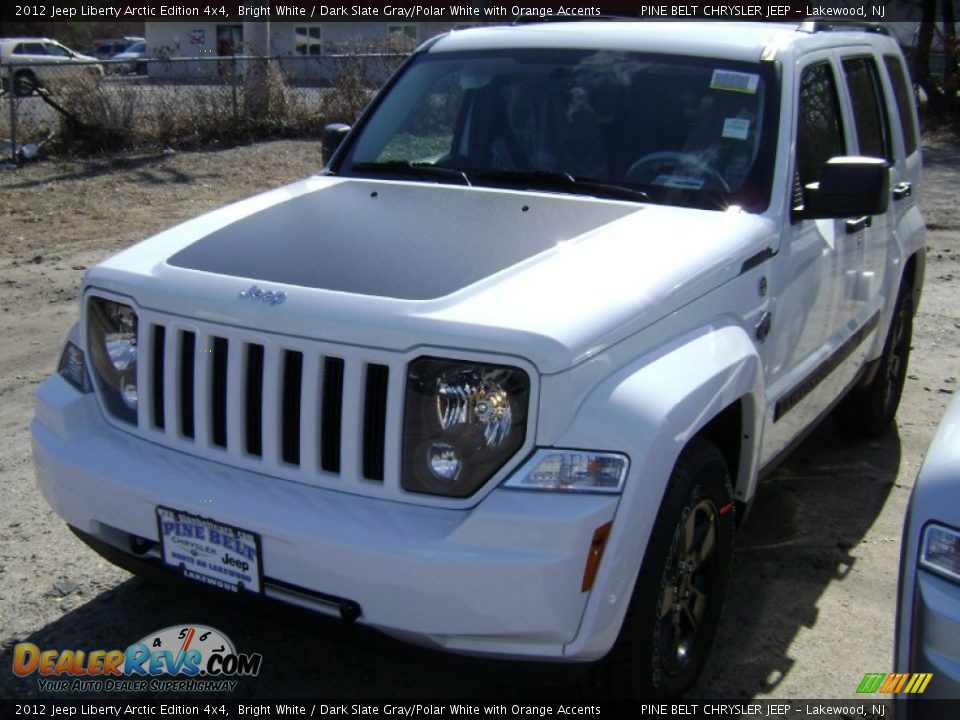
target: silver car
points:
(39, 62)
(928, 614)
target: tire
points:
(24, 83)
(667, 632)
(868, 410)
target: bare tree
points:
(941, 92)
(950, 75)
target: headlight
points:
(462, 421)
(572, 471)
(940, 551)
(112, 342)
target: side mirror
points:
(333, 135)
(849, 187)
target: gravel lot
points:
(814, 587)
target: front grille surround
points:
(251, 390)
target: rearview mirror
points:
(849, 187)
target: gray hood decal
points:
(409, 242)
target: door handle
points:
(902, 190)
(858, 224)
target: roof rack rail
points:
(813, 25)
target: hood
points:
(550, 277)
(937, 488)
(407, 242)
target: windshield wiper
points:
(413, 169)
(544, 179)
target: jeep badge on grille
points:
(268, 296)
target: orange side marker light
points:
(594, 555)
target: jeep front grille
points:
(326, 414)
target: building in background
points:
(304, 48)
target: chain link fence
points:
(83, 107)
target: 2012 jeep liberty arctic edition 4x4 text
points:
(502, 378)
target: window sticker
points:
(683, 182)
(734, 81)
(736, 128)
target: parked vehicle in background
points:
(106, 49)
(130, 60)
(928, 611)
(501, 379)
(40, 61)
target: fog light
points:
(129, 395)
(444, 461)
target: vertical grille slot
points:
(254, 400)
(159, 336)
(331, 417)
(375, 420)
(218, 393)
(188, 343)
(290, 430)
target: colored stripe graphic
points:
(871, 682)
(890, 684)
(912, 683)
(927, 677)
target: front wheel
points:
(676, 602)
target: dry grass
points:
(65, 206)
(242, 102)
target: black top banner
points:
(215, 707)
(463, 11)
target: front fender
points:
(650, 409)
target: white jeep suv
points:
(501, 379)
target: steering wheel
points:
(646, 169)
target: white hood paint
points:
(556, 308)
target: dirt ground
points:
(811, 608)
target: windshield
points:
(675, 130)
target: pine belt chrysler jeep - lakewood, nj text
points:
(501, 379)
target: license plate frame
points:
(211, 552)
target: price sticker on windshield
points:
(735, 81)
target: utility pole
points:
(256, 37)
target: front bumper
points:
(502, 578)
(935, 634)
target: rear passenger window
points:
(901, 88)
(869, 113)
(819, 124)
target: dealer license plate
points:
(209, 551)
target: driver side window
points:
(819, 124)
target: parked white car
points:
(928, 611)
(502, 378)
(38, 62)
